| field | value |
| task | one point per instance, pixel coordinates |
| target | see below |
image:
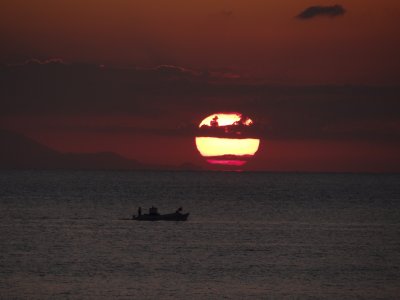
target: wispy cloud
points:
(40, 62)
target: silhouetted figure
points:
(139, 211)
(153, 211)
(214, 122)
(178, 211)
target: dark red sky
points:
(135, 77)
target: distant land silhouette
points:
(20, 152)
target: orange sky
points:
(324, 89)
(258, 38)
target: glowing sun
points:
(227, 139)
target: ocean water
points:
(66, 235)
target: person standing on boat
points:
(139, 211)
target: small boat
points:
(176, 216)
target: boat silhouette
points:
(153, 215)
(176, 216)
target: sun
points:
(227, 139)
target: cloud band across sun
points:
(223, 140)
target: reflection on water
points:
(249, 236)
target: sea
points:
(69, 235)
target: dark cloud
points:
(177, 95)
(185, 130)
(239, 129)
(328, 11)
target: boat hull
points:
(166, 217)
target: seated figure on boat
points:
(179, 210)
(153, 211)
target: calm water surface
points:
(249, 236)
